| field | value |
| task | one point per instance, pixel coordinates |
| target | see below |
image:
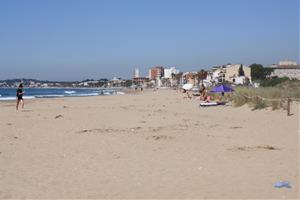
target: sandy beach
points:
(146, 145)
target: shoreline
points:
(68, 93)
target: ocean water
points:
(31, 93)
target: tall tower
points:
(136, 73)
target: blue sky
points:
(78, 39)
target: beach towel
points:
(205, 104)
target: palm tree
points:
(178, 77)
(201, 75)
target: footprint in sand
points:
(58, 116)
(157, 149)
(159, 137)
(236, 127)
(116, 156)
(84, 131)
(254, 148)
(26, 110)
(136, 128)
(155, 129)
(124, 107)
(213, 126)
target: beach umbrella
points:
(222, 88)
(187, 86)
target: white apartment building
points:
(288, 69)
(168, 72)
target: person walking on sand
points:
(20, 96)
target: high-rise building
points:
(156, 72)
(136, 73)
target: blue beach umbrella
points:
(222, 88)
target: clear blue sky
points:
(78, 39)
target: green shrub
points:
(273, 81)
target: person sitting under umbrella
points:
(203, 95)
(221, 89)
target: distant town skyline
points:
(76, 39)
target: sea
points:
(7, 94)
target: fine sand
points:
(146, 145)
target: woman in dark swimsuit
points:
(20, 96)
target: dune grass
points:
(274, 97)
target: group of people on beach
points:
(203, 95)
(207, 98)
